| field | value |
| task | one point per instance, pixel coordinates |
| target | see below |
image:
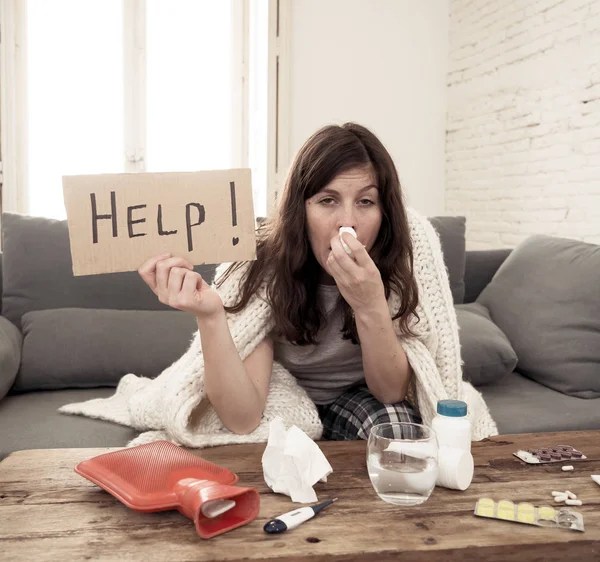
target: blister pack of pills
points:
(558, 453)
(524, 512)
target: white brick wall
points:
(523, 129)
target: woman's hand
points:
(176, 284)
(358, 279)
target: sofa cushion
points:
(38, 275)
(82, 348)
(521, 405)
(546, 299)
(10, 354)
(451, 231)
(32, 421)
(486, 352)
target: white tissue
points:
(349, 230)
(293, 463)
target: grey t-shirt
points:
(327, 369)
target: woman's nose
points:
(346, 217)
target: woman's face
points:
(350, 199)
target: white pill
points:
(567, 468)
(596, 478)
(571, 495)
(557, 493)
(573, 502)
(561, 498)
(349, 230)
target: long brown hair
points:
(285, 261)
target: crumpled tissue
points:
(293, 463)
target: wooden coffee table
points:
(48, 512)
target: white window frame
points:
(13, 88)
(134, 82)
(240, 80)
(279, 98)
(13, 105)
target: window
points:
(74, 92)
(190, 85)
(114, 86)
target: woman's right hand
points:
(176, 284)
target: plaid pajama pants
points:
(353, 414)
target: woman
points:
(343, 321)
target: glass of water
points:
(402, 462)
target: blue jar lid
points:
(452, 408)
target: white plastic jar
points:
(453, 432)
(451, 425)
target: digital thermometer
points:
(292, 519)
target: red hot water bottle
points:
(161, 476)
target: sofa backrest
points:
(37, 270)
(37, 273)
(1, 281)
(480, 268)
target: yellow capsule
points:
(526, 513)
(546, 512)
(506, 510)
(485, 507)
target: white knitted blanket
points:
(174, 405)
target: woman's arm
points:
(237, 389)
(386, 367)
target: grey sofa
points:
(66, 339)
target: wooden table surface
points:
(48, 512)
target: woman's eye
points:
(367, 202)
(326, 201)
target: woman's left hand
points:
(356, 275)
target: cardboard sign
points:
(118, 221)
